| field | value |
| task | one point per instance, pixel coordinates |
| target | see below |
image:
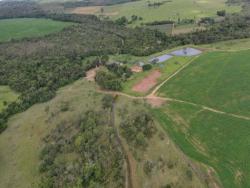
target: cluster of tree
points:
(14, 9)
(108, 80)
(84, 3)
(233, 27)
(138, 128)
(232, 2)
(186, 21)
(96, 160)
(122, 71)
(221, 13)
(207, 21)
(158, 4)
(147, 67)
(123, 21)
(134, 18)
(160, 22)
(36, 80)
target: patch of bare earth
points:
(86, 10)
(90, 75)
(148, 82)
(155, 101)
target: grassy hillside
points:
(218, 140)
(183, 9)
(234, 45)
(23, 140)
(28, 27)
(216, 79)
(6, 96)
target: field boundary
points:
(117, 93)
(153, 93)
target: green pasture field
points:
(28, 27)
(219, 80)
(6, 96)
(230, 45)
(183, 9)
(219, 141)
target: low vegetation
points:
(7, 96)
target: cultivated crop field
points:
(172, 10)
(6, 96)
(220, 141)
(216, 79)
(28, 27)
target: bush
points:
(108, 80)
(148, 167)
(147, 67)
(221, 13)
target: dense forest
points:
(84, 3)
(95, 158)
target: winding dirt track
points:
(128, 177)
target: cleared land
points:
(173, 10)
(28, 27)
(148, 82)
(6, 96)
(166, 68)
(219, 141)
(216, 79)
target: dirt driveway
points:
(147, 83)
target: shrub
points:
(147, 67)
(148, 167)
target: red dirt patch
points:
(148, 82)
(90, 75)
(155, 102)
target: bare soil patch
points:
(148, 82)
(90, 75)
(155, 101)
(86, 10)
